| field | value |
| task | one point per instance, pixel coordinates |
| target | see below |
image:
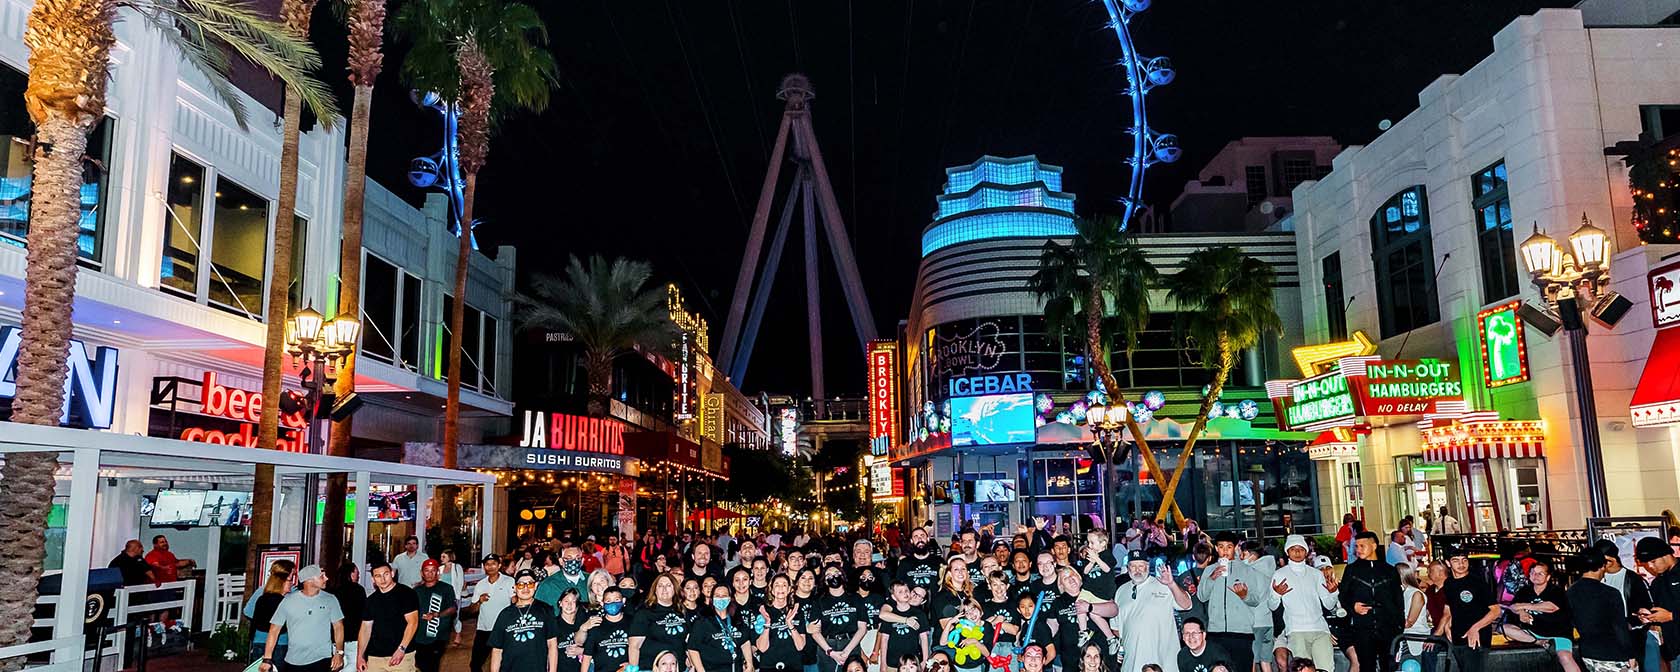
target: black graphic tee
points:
(902, 639)
(839, 618)
(916, 571)
(608, 645)
(522, 633)
(718, 641)
(664, 628)
(781, 653)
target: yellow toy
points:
(966, 630)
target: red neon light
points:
(242, 405)
(288, 441)
(883, 391)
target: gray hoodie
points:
(1226, 612)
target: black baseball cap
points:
(1651, 548)
(532, 574)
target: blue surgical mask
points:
(613, 608)
(721, 603)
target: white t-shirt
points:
(501, 595)
(408, 567)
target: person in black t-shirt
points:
(1096, 564)
(720, 640)
(903, 627)
(919, 568)
(391, 616)
(998, 608)
(132, 562)
(1606, 642)
(659, 625)
(607, 646)
(1076, 621)
(526, 635)
(781, 644)
(1021, 575)
(1471, 610)
(569, 634)
(1540, 610)
(1198, 655)
(969, 637)
(837, 621)
(1033, 628)
(352, 600)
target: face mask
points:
(834, 580)
(720, 603)
(573, 567)
(627, 592)
(613, 608)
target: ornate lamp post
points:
(1107, 424)
(322, 345)
(1576, 281)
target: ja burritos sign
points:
(1664, 283)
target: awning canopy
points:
(1656, 401)
(1481, 436)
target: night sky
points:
(656, 143)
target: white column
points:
(422, 510)
(359, 526)
(487, 519)
(78, 550)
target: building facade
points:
(1246, 186)
(993, 402)
(1412, 240)
(179, 214)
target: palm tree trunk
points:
(349, 302)
(1227, 359)
(1095, 307)
(598, 369)
(48, 290)
(279, 309)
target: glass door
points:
(1528, 492)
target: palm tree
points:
(468, 51)
(1076, 281)
(609, 308)
(1225, 301)
(70, 45)
(295, 15)
(366, 21)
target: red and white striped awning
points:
(1481, 436)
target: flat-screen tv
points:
(226, 508)
(987, 490)
(1245, 493)
(993, 419)
(390, 507)
(178, 507)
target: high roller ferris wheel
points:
(1142, 76)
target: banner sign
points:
(572, 432)
(513, 457)
(974, 386)
(883, 396)
(1504, 354)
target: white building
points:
(1408, 238)
(176, 261)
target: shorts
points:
(383, 664)
(1263, 645)
(1313, 645)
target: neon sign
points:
(90, 389)
(981, 385)
(245, 407)
(1320, 402)
(883, 396)
(1404, 387)
(1504, 354)
(572, 432)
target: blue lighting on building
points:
(1142, 75)
(1000, 198)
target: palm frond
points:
(511, 34)
(207, 25)
(205, 57)
(609, 307)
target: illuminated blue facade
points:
(996, 198)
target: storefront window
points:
(379, 308)
(1425, 485)
(239, 249)
(1528, 490)
(471, 327)
(410, 322)
(300, 248)
(16, 173)
(185, 227)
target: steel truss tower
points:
(813, 193)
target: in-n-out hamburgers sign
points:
(1366, 387)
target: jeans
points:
(1651, 661)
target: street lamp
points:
(1106, 424)
(322, 345)
(1576, 281)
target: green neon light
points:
(1502, 348)
(437, 354)
(1320, 399)
(1423, 379)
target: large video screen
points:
(994, 490)
(178, 507)
(993, 419)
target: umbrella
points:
(714, 513)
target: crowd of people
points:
(1039, 599)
